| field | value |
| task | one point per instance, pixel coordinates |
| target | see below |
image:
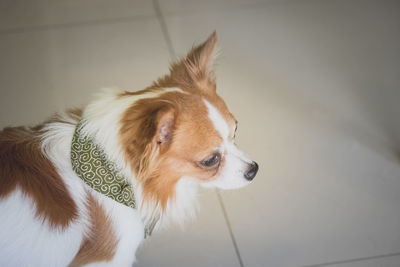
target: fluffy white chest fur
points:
(166, 140)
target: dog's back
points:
(25, 169)
(35, 205)
(48, 218)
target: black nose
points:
(252, 171)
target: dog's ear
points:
(200, 62)
(147, 130)
(196, 70)
(165, 128)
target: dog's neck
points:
(92, 165)
(102, 123)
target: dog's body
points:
(165, 140)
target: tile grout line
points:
(164, 29)
(354, 260)
(229, 228)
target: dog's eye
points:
(211, 161)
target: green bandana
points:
(90, 163)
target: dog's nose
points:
(252, 171)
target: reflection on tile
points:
(205, 241)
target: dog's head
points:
(183, 129)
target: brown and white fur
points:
(168, 139)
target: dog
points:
(87, 187)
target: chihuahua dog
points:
(87, 187)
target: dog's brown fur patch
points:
(25, 167)
(100, 244)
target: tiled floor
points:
(314, 84)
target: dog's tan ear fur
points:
(196, 70)
(165, 127)
(200, 62)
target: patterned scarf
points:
(90, 163)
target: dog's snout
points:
(252, 171)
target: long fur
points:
(158, 137)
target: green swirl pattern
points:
(90, 163)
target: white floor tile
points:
(313, 85)
(202, 242)
(20, 15)
(312, 51)
(43, 72)
(26, 94)
(193, 6)
(390, 261)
